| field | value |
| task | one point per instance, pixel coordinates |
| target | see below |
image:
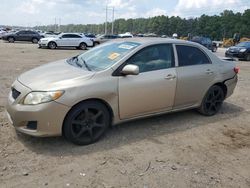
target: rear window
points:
(189, 55)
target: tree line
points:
(217, 27)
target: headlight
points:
(38, 97)
(243, 50)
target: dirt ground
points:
(183, 149)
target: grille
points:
(15, 93)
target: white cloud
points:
(34, 6)
(31, 12)
(197, 7)
(120, 3)
(155, 12)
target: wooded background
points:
(217, 27)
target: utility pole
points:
(113, 20)
(59, 26)
(106, 23)
(55, 24)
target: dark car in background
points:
(241, 51)
(23, 35)
(205, 41)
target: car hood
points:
(236, 48)
(54, 76)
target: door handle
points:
(208, 71)
(170, 77)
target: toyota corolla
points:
(118, 81)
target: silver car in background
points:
(119, 81)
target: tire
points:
(83, 46)
(52, 45)
(247, 57)
(212, 101)
(86, 123)
(214, 49)
(11, 39)
(34, 40)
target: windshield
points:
(243, 44)
(105, 56)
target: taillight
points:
(236, 70)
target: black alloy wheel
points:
(86, 123)
(212, 101)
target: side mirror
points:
(60, 37)
(130, 70)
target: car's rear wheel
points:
(86, 123)
(52, 45)
(34, 40)
(212, 101)
(11, 39)
(83, 46)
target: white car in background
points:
(66, 40)
(126, 35)
(49, 34)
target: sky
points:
(44, 12)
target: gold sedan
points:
(115, 82)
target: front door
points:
(153, 90)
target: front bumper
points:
(42, 43)
(239, 55)
(48, 117)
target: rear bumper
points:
(231, 84)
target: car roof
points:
(154, 40)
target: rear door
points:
(64, 40)
(195, 73)
(153, 90)
(75, 40)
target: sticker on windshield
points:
(113, 56)
(126, 46)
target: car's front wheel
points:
(52, 45)
(212, 101)
(11, 39)
(86, 123)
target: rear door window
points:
(189, 55)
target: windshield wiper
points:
(86, 65)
